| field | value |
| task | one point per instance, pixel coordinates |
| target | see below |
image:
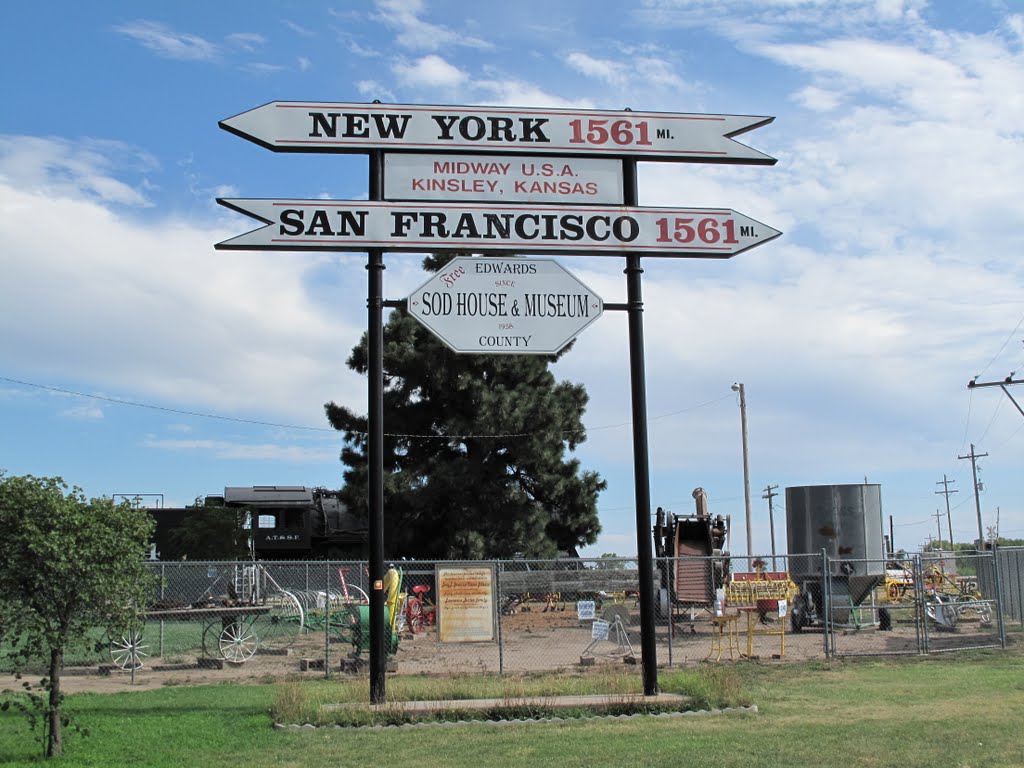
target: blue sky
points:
(898, 189)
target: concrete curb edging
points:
(748, 710)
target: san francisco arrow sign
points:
(294, 126)
(355, 225)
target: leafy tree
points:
(609, 561)
(210, 532)
(475, 450)
(68, 566)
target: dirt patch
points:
(532, 641)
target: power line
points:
(119, 401)
(1007, 341)
(257, 422)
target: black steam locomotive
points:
(285, 522)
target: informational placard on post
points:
(586, 610)
(465, 607)
(505, 305)
(503, 179)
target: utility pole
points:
(945, 492)
(738, 387)
(938, 525)
(771, 518)
(974, 383)
(977, 501)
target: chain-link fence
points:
(1010, 565)
(925, 603)
(285, 618)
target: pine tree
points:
(476, 448)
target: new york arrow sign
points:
(293, 126)
(355, 225)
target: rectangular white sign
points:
(504, 178)
(355, 225)
(298, 126)
(465, 609)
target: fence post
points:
(661, 565)
(826, 602)
(921, 607)
(501, 639)
(163, 583)
(327, 623)
(997, 576)
(1020, 586)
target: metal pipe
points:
(642, 490)
(375, 443)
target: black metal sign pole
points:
(375, 442)
(641, 466)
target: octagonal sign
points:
(502, 305)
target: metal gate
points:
(926, 603)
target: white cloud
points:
(224, 450)
(1015, 23)
(415, 33)
(247, 41)
(155, 312)
(83, 413)
(372, 89)
(430, 71)
(768, 16)
(235, 451)
(259, 68)
(602, 69)
(58, 166)
(518, 93)
(298, 28)
(167, 43)
(817, 99)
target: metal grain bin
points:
(846, 522)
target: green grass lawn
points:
(949, 710)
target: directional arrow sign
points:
(292, 126)
(502, 305)
(355, 225)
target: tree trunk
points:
(54, 743)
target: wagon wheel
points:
(238, 640)
(975, 603)
(281, 626)
(415, 615)
(127, 649)
(235, 641)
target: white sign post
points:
(496, 309)
(500, 305)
